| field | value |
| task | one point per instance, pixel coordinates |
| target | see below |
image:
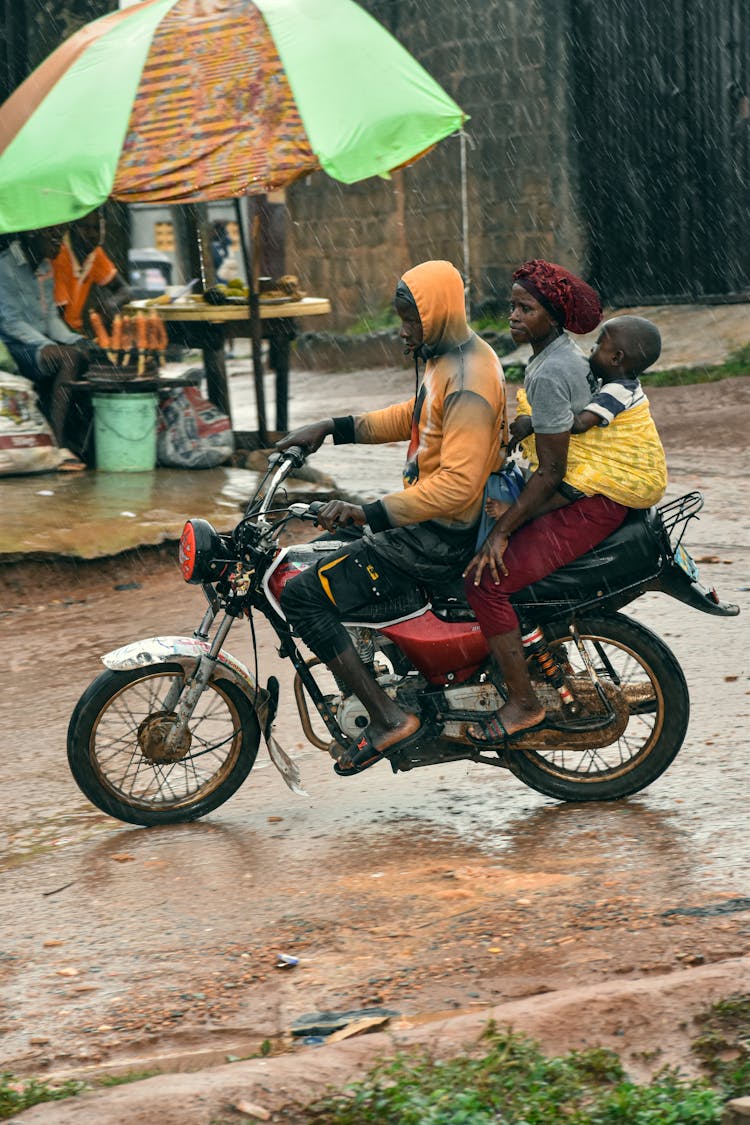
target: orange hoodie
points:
(456, 430)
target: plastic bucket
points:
(125, 432)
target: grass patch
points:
(378, 321)
(107, 1080)
(383, 319)
(724, 1046)
(507, 1081)
(17, 1094)
(499, 324)
(512, 1083)
(736, 363)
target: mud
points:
(448, 890)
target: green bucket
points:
(125, 432)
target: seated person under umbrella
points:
(45, 349)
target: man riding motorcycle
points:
(426, 532)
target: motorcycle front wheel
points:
(120, 759)
(626, 656)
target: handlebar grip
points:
(295, 454)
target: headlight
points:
(203, 556)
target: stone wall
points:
(506, 63)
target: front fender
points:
(186, 651)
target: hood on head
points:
(438, 291)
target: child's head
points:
(626, 346)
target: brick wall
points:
(506, 62)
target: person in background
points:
(86, 278)
(45, 349)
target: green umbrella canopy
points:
(189, 100)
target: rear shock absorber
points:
(535, 645)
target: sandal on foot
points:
(365, 754)
(494, 735)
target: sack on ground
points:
(26, 441)
(191, 432)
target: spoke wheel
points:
(120, 757)
(634, 665)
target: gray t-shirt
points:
(558, 384)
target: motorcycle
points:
(173, 726)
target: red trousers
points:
(538, 548)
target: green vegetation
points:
(123, 1079)
(497, 324)
(508, 1081)
(724, 1046)
(380, 320)
(513, 1083)
(736, 363)
(22, 1093)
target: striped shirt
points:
(612, 398)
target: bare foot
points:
(382, 738)
(495, 508)
(373, 745)
(506, 723)
(515, 718)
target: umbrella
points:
(193, 100)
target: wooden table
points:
(197, 324)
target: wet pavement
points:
(444, 890)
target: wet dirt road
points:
(440, 890)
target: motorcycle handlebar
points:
(295, 454)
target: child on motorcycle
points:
(529, 541)
(625, 348)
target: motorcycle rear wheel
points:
(621, 650)
(116, 758)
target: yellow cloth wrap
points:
(624, 461)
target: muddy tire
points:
(623, 651)
(117, 754)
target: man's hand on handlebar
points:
(337, 513)
(309, 438)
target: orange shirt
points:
(73, 280)
(459, 425)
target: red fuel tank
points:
(438, 649)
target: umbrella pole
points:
(465, 222)
(255, 331)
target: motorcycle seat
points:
(625, 560)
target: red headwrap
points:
(567, 298)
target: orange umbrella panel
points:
(195, 131)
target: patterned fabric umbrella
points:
(187, 100)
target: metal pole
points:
(465, 222)
(255, 331)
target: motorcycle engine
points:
(352, 716)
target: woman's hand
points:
(490, 554)
(310, 438)
(337, 513)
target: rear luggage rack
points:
(680, 511)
